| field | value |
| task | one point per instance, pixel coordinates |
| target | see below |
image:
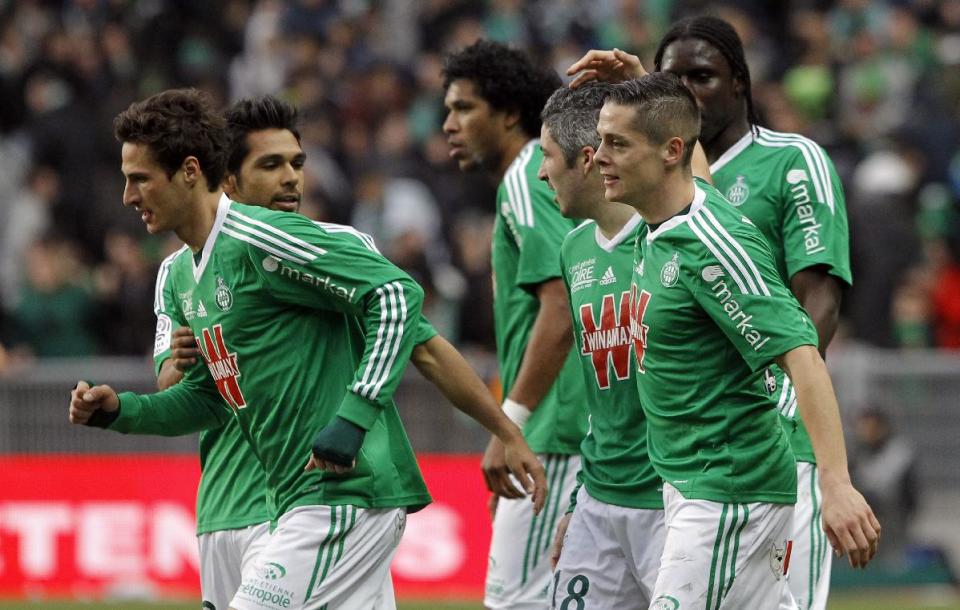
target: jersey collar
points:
(731, 153)
(222, 207)
(610, 244)
(699, 197)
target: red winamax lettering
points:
(610, 341)
(638, 330)
(223, 366)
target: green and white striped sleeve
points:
(334, 270)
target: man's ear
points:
(586, 158)
(191, 171)
(231, 186)
(511, 119)
(672, 151)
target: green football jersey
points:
(598, 272)
(787, 185)
(232, 492)
(708, 313)
(526, 252)
(297, 324)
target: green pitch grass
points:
(846, 601)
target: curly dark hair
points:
(508, 79)
(176, 124)
(255, 114)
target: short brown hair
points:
(665, 109)
(176, 124)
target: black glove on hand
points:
(339, 442)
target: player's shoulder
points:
(718, 225)
(782, 143)
(286, 235)
(350, 233)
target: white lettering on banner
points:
(112, 539)
(432, 547)
(38, 525)
(173, 540)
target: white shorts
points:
(610, 558)
(722, 556)
(223, 557)
(809, 577)
(518, 569)
(325, 557)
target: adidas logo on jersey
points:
(201, 310)
(608, 277)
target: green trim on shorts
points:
(817, 546)
(551, 489)
(556, 503)
(323, 545)
(722, 551)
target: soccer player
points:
(494, 96)
(302, 327)
(265, 168)
(608, 545)
(709, 313)
(787, 185)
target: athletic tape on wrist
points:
(517, 413)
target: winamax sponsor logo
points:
(223, 366)
(608, 342)
(732, 307)
(803, 207)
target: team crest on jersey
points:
(670, 272)
(738, 192)
(223, 366)
(224, 297)
(609, 342)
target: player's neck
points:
(513, 144)
(195, 231)
(669, 199)
(611, 217)
(732, 134)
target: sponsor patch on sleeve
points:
(164, 336)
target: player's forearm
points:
(177, 411)
(550, 341)
(169, 375)
(389, 320)
(819, 294)
(442, 365)
(819, 410)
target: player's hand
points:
(849, 522)
(183, 349)
(85, 401)
(526, 469)
(613, 66)
(496, 473)
(336, 446)
(317, 464)
(557, 547)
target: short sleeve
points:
(737, 285)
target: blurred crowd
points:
(877, 83)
